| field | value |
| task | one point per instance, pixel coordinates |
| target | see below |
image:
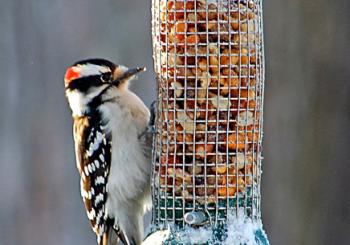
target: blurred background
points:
(306, 187)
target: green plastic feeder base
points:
(225, 225)
(170, 209)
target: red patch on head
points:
(71, 74)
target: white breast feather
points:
(129, 172)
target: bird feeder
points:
(209, 60)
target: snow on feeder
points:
(208, 56)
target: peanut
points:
(226, 192)
(203, 149)
(220, 102)
(185, 121)
(178, 88)
(236, 141)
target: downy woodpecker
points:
(112, 146)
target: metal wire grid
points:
(208, 56)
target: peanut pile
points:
(210, 98)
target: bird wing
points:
(146, 141)
(93, 155)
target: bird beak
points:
(123, 74)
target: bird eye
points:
(106, 77)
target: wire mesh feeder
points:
(208, 56)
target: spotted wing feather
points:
(93, 152)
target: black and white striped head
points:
(87, 82)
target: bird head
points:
(88, 82)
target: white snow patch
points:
(197, 236)
(241, 229)
(157, 238)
